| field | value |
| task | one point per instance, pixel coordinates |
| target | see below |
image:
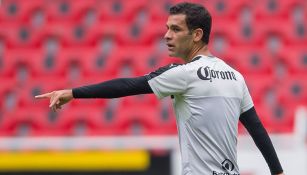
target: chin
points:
(171, 54)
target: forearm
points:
(114, 88)
(262, 140)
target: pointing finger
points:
(46, 95)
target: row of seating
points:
(263, 88)
(15, 35)
(92, 120)
(58, 10)
(141, 60)
(267, 92)
(89, 119)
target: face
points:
(179, 39)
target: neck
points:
(201, 49)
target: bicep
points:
(170, 80)
(114, 88)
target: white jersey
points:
(208, 97)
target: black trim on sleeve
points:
(160, 71)
(114, 88)
(261, 138)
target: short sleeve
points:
(168, 80)
(247, 101)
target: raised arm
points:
(251, 122)
(110, 89)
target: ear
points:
(197, 34)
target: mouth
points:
(170, 46)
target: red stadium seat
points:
(261, 87)
(18, 35)
(74, 65)
(22, 64)
(159, 10)
(38, 86)
(140, 101)
(19, 10)
(279, 27)
(67, 10)
(9, 94)
(278, 118)
(295, 58)
(123, 63)
(272, 9)
(293, 90)
(225, 9)
(68, 33)
(222, 41)
(139, 33)
(140, 121)
(24, 123)
(251, 60)
(119, 10)
(83, 121)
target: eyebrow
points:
(172, 25)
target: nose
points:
(167, 35)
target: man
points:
(209, 97)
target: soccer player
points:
(209, 97)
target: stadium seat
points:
(225, 9)
(293, 90)
(24, 123)
(66, 10)
(139, 121)
(222, 41)
(139, 33)
(124, 63)
(67, 33)
(119, 10)
(18, 35)
(9, 94)
(270, 9)
(39, 85)
(165, 59)
(75, 64)
(71, 34)
(278, 118)
(295, 59)
(261, 87)
(159, 10)
(22, 64)
(277, 27)
(82, 121)
(19, 10)
(140, 101)
(251, 60)
(236, 34)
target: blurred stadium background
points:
(54, 44)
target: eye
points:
(176, 29)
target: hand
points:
(57, 98)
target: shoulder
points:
(170, 67)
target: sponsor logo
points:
(206, 73)
(219, 173)
(228, 166)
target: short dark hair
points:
(197, 16)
